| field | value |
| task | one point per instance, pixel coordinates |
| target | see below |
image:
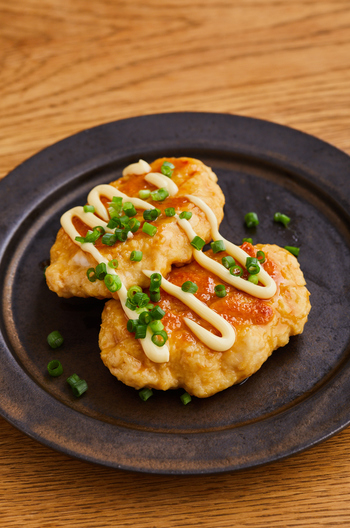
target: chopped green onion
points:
(109, 239)
(131, 325)
(261, 257)
(150, 306)
(136, 256)
(167, 169)
(236, 270)
(250, 240)
(220, 290)
(145, 318)
(155, 295)
(129, 304)
(253, 278)
(121, 234)
(145, 394)
(144, 194)
(251, 219)
(114, 222)
(282, 218)
(113, 263)
(156, 326)
(79, 388)
(217, 246)
(228, 262)
(129, 209)
(169, 211)
(117, 201)
(141, 299)
(160, 338)
(54, 368)
(91, 236)
(185, 398)
(73, 379)
(252, 265)
(140, 332)
(134, 225)
(189, 287)
(293, 250)
(185, 215)
(89, 209)
(150, 214)
(141, 310)
(125, 221)
(198, 243)
(132, 290)
(55, 339)
(149, 229)
(113, 282)
(157, 313)
(101, 271)
(156, 280)
(91, 274)
(159, 195)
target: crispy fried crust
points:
(193, 366)
(66, 274)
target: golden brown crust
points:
(66, 274)
(192, 365)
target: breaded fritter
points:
(261, 327)
(66, 274)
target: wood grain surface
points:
(67, 66)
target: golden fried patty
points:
(261, 327)
(66, 274)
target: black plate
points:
(301, 394)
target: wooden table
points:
(67, 66)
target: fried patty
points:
(66, 274)
(261, 327)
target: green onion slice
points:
(156, 326)
(113, 263)
(101, 271)
(109, 239)
(282, 218)
(54, 368)
(155, 295)
(156, 280)
(73, 379)
(251, 219)
(185, 215)
(140, 332)
(160, 338)
(55, 339)
(185, 398)
(145, 394)
(149, 229)
(121, 234)
(91, 274)
(159, 195)
(253, 278)
(136, 256)
(132, 290)
(129, 209)
(129, 304)
(189, 287)
(113, 282)
(217, 246)
(134, 225)
(169, 211)
(250, 240)
(89, 209)
(252, 265)
(198, 243)
(145, 318)
(228, 262)
(236, 270)
(261, 257)
(141, 299)
(293, 250)
(157, 313)
(220, 290)
(144, 194)
(131, 325)
(79, 388)
(167, 169)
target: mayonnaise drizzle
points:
(161, 354)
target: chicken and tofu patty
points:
(261, 326)
(67, 273)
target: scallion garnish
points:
(78, 385)
(217, 246)
(89, 209)
(185, 398)
(91, 274)
(136, 256)
(252, 265)
(54, 368)
(198, 243)
(293, 250)
(129, 209)
(55, 339)
(144, 194)
(169, 211)
(185, 215)
(228, 262)
(160, 338)
(150, 214)
(129, 304)
(113, 263)
(236, 270)
(250, 240)
(121, 234)
(149, 229)
(113, 282)
(133, 290)
(145, 318)
(220, 290)
(91, 236)
(282, 218)
(101, 271)
(131, 325)
(140, 331)
(253, 278)
(261, 257)
(155, 295)
(109, 239)
(156, 326)
(189, 287)
(134, 225)
(251, 219)
(159, 195)
(156, 280)
(157, 313)
(167, 169)
(145, 394)
(141, 299)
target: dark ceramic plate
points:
(301, 394)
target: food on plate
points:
(259, 327)
(131, 224)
